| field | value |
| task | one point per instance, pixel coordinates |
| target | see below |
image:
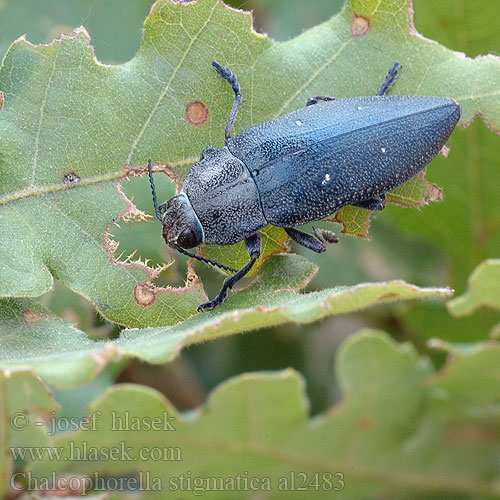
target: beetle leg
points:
(389, 80)
(317, 244)
(372, 204)
(253, 244)
(230, 78)
(314, 99)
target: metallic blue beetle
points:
(301, 168)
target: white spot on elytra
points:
(326, 179)
(360, 108)
(298, 122)
(382, 149)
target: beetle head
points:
(180, 223)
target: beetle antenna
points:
(153, 190)
(204, 259)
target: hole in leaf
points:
(145, 238)
(71, 178)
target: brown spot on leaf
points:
(70, 178)
(144, 295)
(460, 434)
(360, 25)
(444, 151)
(30, 316)
(196, 113)
(366, 423)
(389, 296)
(434, 192)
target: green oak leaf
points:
(25, 406)
(400, 430)
(72, 129)
(483, 290)
(64, 356)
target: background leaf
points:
(483, 290)
(105, 21)
(24, 403)
(401, 429)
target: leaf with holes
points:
(65, 356)
(73, 128)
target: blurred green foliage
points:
(423, 255)
(114, 25)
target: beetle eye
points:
(207, 151)
(187, 239)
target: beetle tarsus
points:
(315, 98)
(230, 78)
(253, 244)
(389, 80)
(325, 236)
(373, 203)
(317, 244)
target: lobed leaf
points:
(400, 430)
(483, 290)
(65, 356)
(72, 128)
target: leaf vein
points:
(311, 79)
(167, 87)
(42, 114)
